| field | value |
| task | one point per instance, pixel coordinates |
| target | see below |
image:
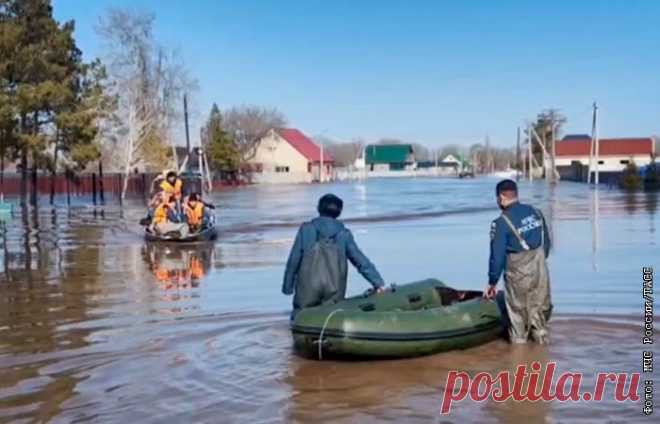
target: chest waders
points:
(322, 275)
(527, 288)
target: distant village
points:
(287, 155)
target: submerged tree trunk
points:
(35, 189)
(2, 176)
(24, 163)
(24, 175)
(53, 177)
(101, 187)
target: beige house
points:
(286, 155)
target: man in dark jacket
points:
(302, 275)
(519, 246)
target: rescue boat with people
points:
(207, 233)
(187, 182)
(414, 319)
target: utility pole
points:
(489, 157)
(594, 150)
(321, 168)
(596, 141)
(185, 116)
(553, 174)
(543, 155)
(529, 151)
(518, 155)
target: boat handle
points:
(367, 307)
(413, 298)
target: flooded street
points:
(97, 325)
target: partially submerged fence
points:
(90, 185)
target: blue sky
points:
(432, 72)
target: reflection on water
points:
(178, 266)
(411, 390)
(595, 222)
(96, 324)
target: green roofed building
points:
(389, 157)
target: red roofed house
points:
(572, 158)
(286, 155)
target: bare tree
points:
(450, 149)
(422, 153)
(492, 158)
(390, 140)
(139, 121)
(154, 77)
(248, 124)
(344, 154)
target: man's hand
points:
(381, 289)
(490, 291)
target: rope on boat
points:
(325, 324)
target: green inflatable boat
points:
(409, 320)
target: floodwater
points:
(96, 325)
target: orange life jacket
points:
(160, 214)
(174, 190)
(162, 274)
(196, 269)
(195, 214)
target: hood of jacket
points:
(327, 227)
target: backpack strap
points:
(522, 241)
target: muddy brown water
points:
(98, 326)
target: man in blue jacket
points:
(519, 246)
(317, 267)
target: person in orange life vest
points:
(172, 185)
(167, 217)
(196, 213)
(168, 184)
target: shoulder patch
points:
(493, 227)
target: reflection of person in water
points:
(178, 267)
(525, 411)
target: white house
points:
(572, 155)
(451, 160)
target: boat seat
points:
(449, 296)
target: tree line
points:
(50, 99)
(122, 110)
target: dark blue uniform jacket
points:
(530, 224)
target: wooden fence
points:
(90, 185)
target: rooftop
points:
(580, 146)
(388, 153)
(304, 145)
